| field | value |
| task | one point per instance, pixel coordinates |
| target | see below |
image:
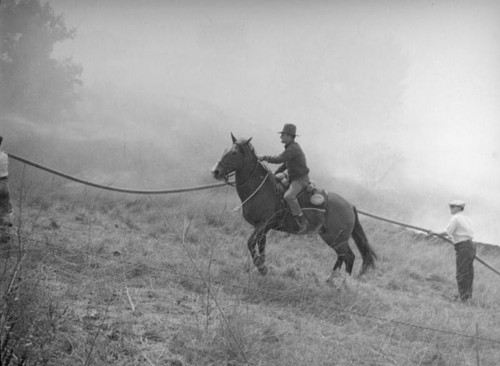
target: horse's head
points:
(236, 157)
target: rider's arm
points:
(282, 158)
(282, 168)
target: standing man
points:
(5, 206)
(460, 231)
(294, 161)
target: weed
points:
(107, 280)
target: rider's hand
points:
(261, 158)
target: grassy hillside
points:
(95, 278)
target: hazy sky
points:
(410, 83)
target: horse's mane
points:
(243, 141)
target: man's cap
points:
(457, 203)
(289, 129)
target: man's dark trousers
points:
(466, 252)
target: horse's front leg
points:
(258, 239)
(261, 244)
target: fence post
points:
(477, 345)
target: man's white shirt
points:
(460, 228)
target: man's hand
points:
(261, 158)
(443, 235)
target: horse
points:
(265, 209)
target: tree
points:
(32, 83)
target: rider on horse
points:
(294, 161)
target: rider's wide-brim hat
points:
(289, 129)
(457, 203)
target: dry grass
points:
(109, 279)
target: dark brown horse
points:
(264, 208)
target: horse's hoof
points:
(262, 270)
(333, 276)
(364, 270)
(259, 261)
(332, 284)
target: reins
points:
(250, 176)
(226, 180)
(253, 194)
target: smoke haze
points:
(400, 97)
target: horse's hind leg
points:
(344, 252)
(338, 263)
(348, 255)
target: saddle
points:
(311, 199)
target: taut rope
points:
(253, 194)
(198, 188)
(425, 231)
(115, 189)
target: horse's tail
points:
(367, 252)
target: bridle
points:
(226, 175)
(254, 169)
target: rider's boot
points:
(302, 223)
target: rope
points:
(198, 188)
(115, 189)
(425, 231)
(253, 194)
(392, 221)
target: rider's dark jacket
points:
(293, 160)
